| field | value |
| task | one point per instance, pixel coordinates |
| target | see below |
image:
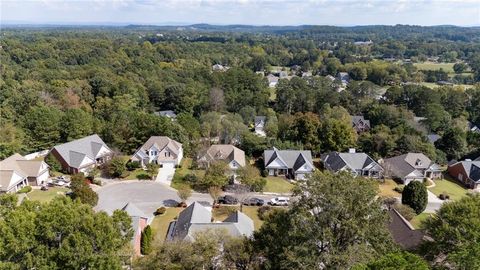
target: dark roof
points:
(335, 161)
(472, 169)
(403, 232)
(194, 213)
(289, 157)
(405, 164)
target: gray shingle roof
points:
(355, 161)
(472, 168)
(168, 113)
(289, 157)
(225, 152)
(194, 213)
(74, 152)
(402, 231)
(160, 142)
(134, 211)
(405, 164)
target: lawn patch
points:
(160, 224)
(387, 188)
(221, 213)
(185, 169)
(278, 185)
(48, 195)
(449, 186)
(447, 67)
(417, 220)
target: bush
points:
(264, 173)
(407, 212)
(116, 167)
(259, 184)
(53, 163)
(415, 195)
(146, 240)
(190, 178)
(444, 196)
(399, 189)
(96, 182)
(132, 165)
(182, 204)
(427, 182)
(263, 211)
(25, 189)
(143, 176)
(160, 211)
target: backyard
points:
(48, 195)
(447, 67)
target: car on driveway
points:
(227, 199)
(254, 202)
(279, 201)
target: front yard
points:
(278, 185)
(48, 195)
(387, 188)
(449, 186)
(185, 169)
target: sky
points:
(251, 12)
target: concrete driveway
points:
(165, 174)
(147, 195)
(434, 203)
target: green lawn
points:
(278, 185)
(386, 189)
(46, 196)
(448, 67)
(160, 224)
(135, 174)
(417, 220)
(184, 170)
(455, 190)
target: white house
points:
(159, 150)
(294, 164)
(17, 172)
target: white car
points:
(59, 183)
(279, 201)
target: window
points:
(167, 154)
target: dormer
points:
(418, 162)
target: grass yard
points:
(417, 220)
(160, 224)
(221, 213)
(177, 180)
(278, 185)
(386, 189)
(137, 174)
(455, 190)
(46, 196)
(448, 67)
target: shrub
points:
(184, 192)
(399, 189)
(97, 182)
(25, 189)
(263, 211)
(182, 204)
(407, 212)
(259, 184)
(264, 173)
(444, 196)
(160, 211)
(415, 195)
(82, 191)
(53, 163)
(427, 182)
(143, 176)
(190, 178)
(146, 240)
(116, 167)
(132, 165)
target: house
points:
(159, 150)
(473, 128)
(343, 77)
(330, 77)
(307, 74)
(82, 155)
(272, 80)
(410, 167)
(432, 138)
(234, 157)
(403, 233)
(196, 219)
(467, 172)
(260, 125)
(218, 67)
(140, 220)
(294, 164)
(283, 74)
(17, 172)
(169, 114)
(360, 124)
(359, 164)
(363, 43)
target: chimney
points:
(351, 150)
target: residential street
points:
(147, 195)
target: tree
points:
(217, 100)
(455, 233)
(395, 261)
(76, 123)
(152, 170)
(460, 67)
(82, 190)
(336, 223)
(116, 167)
(250, 176)
(43, 127)
(453, 143)
(53, 163)
(215, 176)
(184, 192)
(415, 195)
(215, 193)
(61, 234)
(146, 239)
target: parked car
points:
(227, 199)
(44, 188)
(254, 201)
(59, 183)
(279, 201)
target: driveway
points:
(147, 195)
(165, 174)
(434, 203)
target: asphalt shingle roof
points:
(289, 157)
(75, 151)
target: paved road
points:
(147, 195)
